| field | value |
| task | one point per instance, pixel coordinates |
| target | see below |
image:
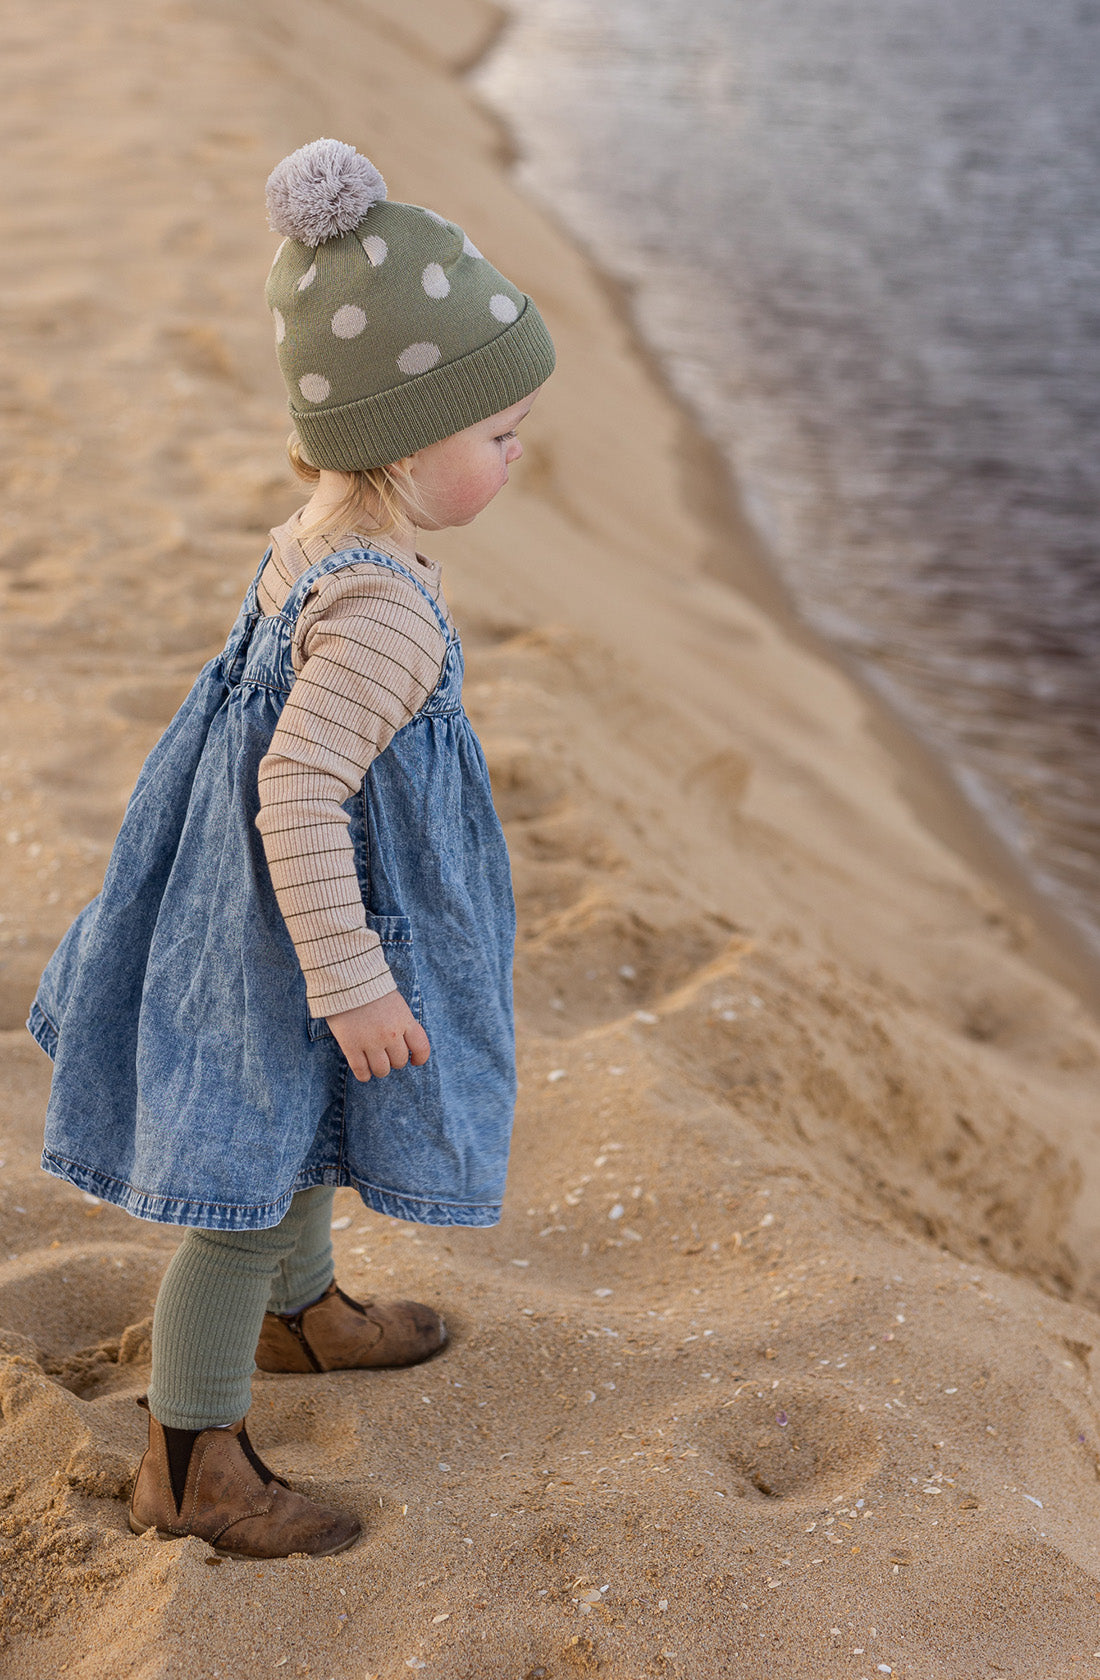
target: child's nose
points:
(515, 450)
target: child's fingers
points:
(398, 1052)
(395, 1053)
(359, 1065)
(419, 1048)
(391, 1054)
(379, 1059)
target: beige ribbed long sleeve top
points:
(367, 652)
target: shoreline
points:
(738, 556)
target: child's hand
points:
(379, 1036)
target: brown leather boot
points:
(231, 1499)
(339, 1334)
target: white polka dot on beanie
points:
(348, 321)
(434, 281)
(418, 358)
(391, 328)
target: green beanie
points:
(392, 330)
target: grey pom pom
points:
(321, 190)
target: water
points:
(865, 241)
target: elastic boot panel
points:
(179, 1445)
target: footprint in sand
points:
(719, 782)
(800, 1445)
(83, 1309)
(49, 1437)
(597, 960)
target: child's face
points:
(461, 474)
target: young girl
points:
(298, 972)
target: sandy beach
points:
(781, 1363)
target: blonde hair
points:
(377, 499)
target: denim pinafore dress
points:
(191, 1086)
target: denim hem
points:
(42, 1030)
(422, 1212)
(168, 1210)
(240, 1216)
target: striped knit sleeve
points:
(368, 652)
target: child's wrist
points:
(352, 997)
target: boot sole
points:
(246, 1557)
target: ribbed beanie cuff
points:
(391, 424)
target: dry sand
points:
(781, 1363)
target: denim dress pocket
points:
(395, 933)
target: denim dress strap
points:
(230, 662)
(296, 600)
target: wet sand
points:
(780, 1363)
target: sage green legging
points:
(211, 1305)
